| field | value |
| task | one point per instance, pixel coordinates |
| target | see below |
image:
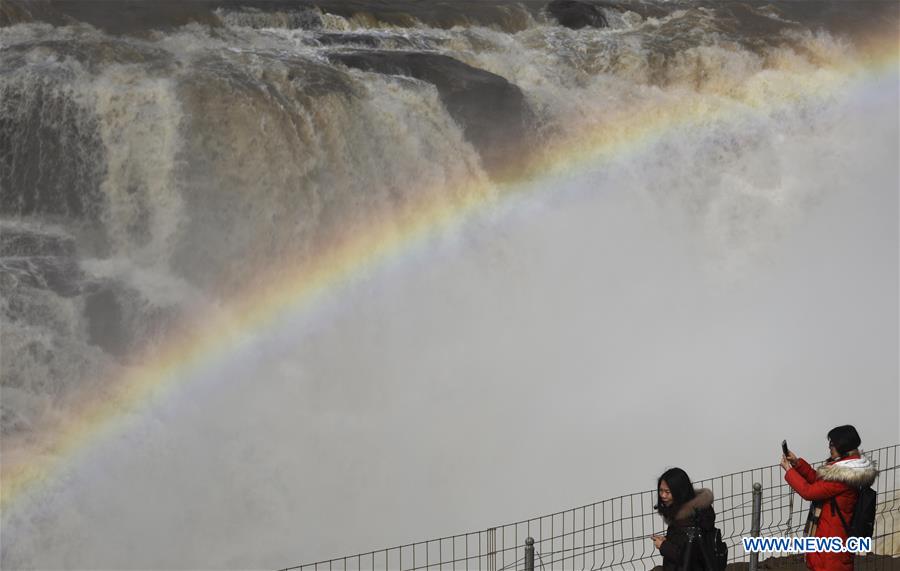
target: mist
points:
(690, 303)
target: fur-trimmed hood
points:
(702, 500)
(856, 472)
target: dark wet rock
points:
(59, 275)
(492, 112)
(23, 242)
(16, 416)
(577, 14)
(121, 320)
(742, 20)
(36, 259)
(114, 316)
(24, 11)
(105, 320)
(304, 18)
(381, 40)
(120, 17)
(862, 20)
(12, 12)
(332, 39)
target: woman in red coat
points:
(840, 477)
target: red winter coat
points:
(839, 480)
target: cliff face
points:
(128, 16)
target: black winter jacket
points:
(673, 548)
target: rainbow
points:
(28, 468)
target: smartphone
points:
(784, 447)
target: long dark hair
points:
(682, 491)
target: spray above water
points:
(286, 282)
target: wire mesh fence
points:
(615, 533)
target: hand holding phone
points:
(788, 458)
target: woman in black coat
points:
(681, 506)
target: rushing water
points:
(686, 226)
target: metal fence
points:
(615, 533)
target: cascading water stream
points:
(280, 283)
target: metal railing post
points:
(492, 549)
(755, 522)
(529, 554)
